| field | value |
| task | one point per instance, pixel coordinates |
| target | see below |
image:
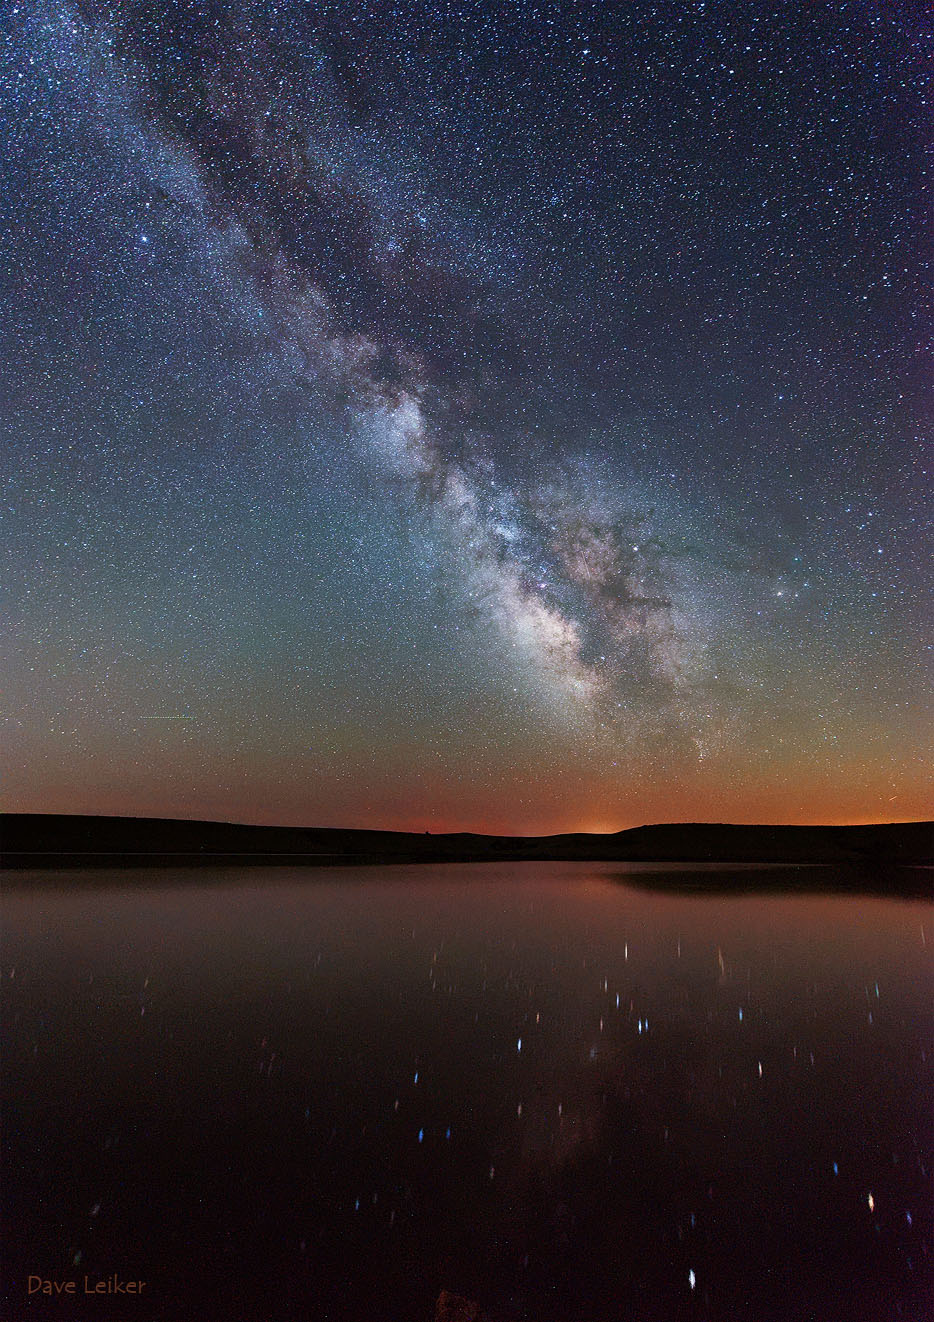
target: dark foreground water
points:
(275, 1095)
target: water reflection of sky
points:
(534, 1085)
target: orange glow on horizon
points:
(436, 824)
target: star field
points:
(489, 416)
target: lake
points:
(276, 1094)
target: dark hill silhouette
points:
(870, 853)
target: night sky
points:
(500, 416)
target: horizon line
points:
(283, 826)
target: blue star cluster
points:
(497, 415)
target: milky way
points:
(412, 399)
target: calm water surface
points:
(282, 1095)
